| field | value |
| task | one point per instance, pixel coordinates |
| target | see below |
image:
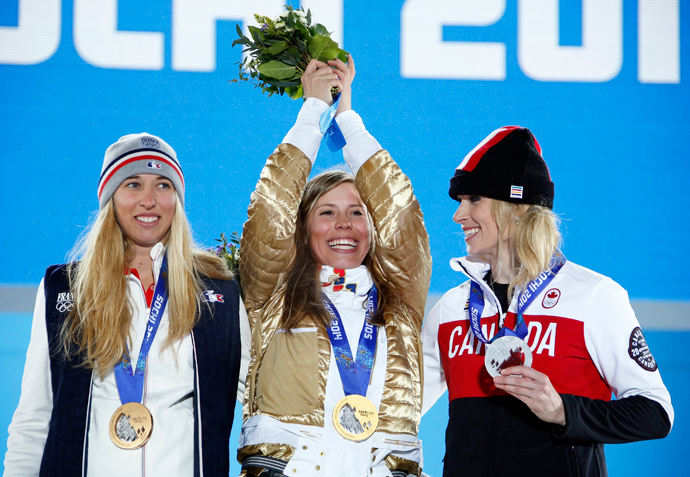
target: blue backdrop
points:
(601, 83)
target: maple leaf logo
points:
(551, 298)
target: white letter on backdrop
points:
(599, 58)
(36, 36)
(194, 28)
(658, 42)
(424, 54)
(99, 43)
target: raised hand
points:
(346, 75)
(318, 79)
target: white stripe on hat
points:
(485, 145)
(133, 157)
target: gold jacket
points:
(288, 372)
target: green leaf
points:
(287, 60)
(295, 92)
(319, 29)
(277, 70)
(277, 47)
(322, 48)
(286, 84)
(257, 34)
(343, 55)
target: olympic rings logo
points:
(65, 302)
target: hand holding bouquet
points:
(280, 50)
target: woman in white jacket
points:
(135, 348)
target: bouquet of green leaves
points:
(280, 50)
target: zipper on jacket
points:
(84, 452)
(573, 452)
(198, 406)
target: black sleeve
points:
(630, 419)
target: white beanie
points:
(138, 154)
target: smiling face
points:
(338, 228)
(144, 208)
(479, 225)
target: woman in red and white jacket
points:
(532, 347)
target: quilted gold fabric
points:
(287, 372)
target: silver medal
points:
(505, 352)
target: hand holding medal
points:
(535, 390)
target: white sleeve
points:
(246, 339)
(360, 145)
(434, 377)
(617, 354)
(29, 427)
(306, 133)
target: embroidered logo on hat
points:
(148, 141)
(516, 192)
(154, 165)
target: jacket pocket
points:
(288, 377)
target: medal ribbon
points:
(355, 372)
(334, 137)
(130, 383)
(525, 300)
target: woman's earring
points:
(517, 219)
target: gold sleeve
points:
(267, 246)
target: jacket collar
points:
(346, 287)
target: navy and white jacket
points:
(61, 424)
(585, 337)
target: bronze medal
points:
(131, 426)
(505, 352)
(355, 417)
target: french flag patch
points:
(516, 192)
(211, 297)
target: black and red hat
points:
(507, 166)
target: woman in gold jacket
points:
(339, 236)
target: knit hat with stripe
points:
(507, 166)
(138, 154)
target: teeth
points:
(147, 220)
(471, 232)
(342, 244)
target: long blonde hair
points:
(99, 324)
(533, 238)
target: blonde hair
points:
(99, 324)
(533, 238)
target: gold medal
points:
(355, 417)
(131, 426)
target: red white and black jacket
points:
(585, 337)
